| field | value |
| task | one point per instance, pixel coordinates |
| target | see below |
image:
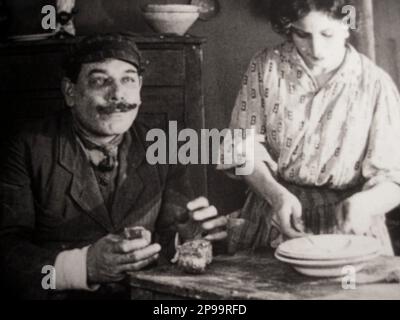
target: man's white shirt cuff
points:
(71, 271)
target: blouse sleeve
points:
(249, 113)
(382, 161)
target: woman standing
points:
(331, 122)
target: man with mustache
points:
(73, 183)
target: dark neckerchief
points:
(103, 156)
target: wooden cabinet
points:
(31, 74)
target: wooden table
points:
(262, 277)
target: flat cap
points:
(103, 46)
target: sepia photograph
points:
(200, 150)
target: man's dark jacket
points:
(51, 200)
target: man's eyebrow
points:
(96, 71)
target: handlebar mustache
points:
(117, 107)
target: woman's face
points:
(321, 41)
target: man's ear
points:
(68, 90)
(346, 32)
(140, 81)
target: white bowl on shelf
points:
(171, 18)
(171, 8)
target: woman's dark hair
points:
(282, 13)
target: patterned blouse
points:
(340, 135)
(343, 135)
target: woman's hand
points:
(203, 222)
(289, 212)
(353, 215)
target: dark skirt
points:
(259, 228)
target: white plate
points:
(326, 268)
(325, 263)
(328, 272)
(328, 247)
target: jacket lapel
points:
(84, 187)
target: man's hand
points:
(353, 215)
(112, 256)
(203, 222)
(288, 210)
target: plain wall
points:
(387, 28)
